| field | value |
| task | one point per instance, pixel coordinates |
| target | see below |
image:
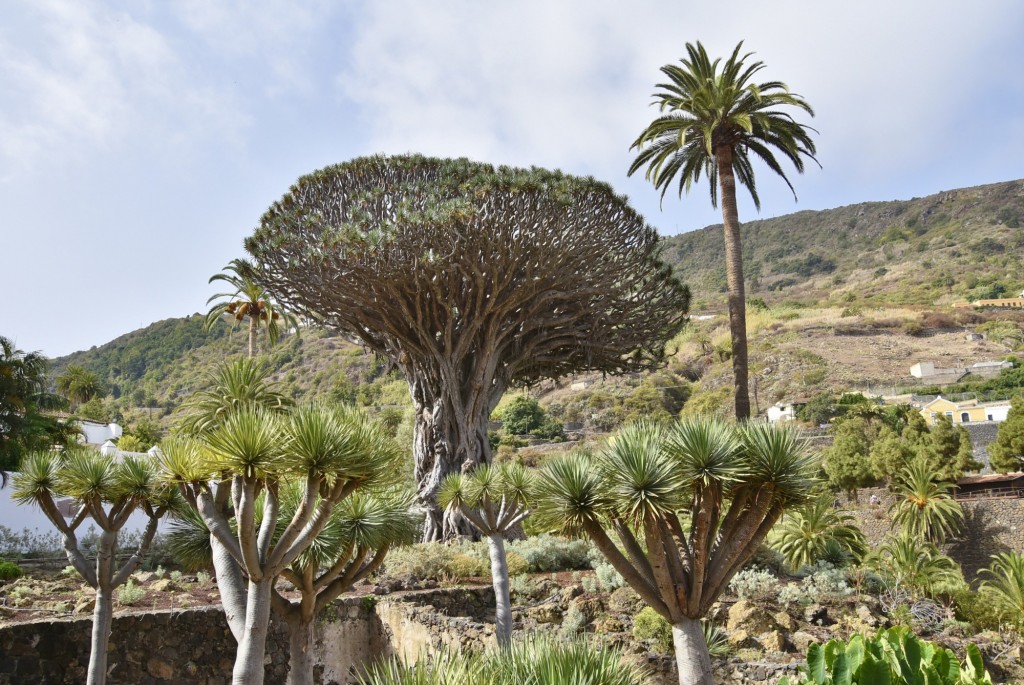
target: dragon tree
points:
(470, 279)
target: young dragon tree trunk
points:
(503, 601)
(692, 657)
(253, 645)
(103, 612)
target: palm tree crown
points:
(250, 301)
(925, 508)
(706, 109)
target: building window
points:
(965, 418)
(990, 418)
(949, 415)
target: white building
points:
(781, 412)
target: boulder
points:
(164, 585)
(784, 621)
(802, 640)
(772, 641)
(744, 615)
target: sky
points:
(140, 141)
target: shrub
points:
(130, 594)
(517, 565)
(465, 566)
(608, 577)
(426, 560)
(913, 328)
(10, 571)
(754, 584)
(650, 626)
(573, 623)
(545, 553)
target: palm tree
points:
(924, 507)
(250, 301)
(689, 503)
(808, 533)
(713, 120)
(237, 385)
(494, 500)
(916, 564)
(79, 385)
(24, 397)
(109, 492)
(1006, 584)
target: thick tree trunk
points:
(301, 636)
(734, 280)
(102, 616)
(692, 657)
(446, 441)
(253, 645)
(502, 600)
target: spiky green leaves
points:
(811, 532)
(704, 451)
(249, 444)
(237, 385)
(925, 507)
(775, 456)
(38, 476)
(571, 492)
(640, 477)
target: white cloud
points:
(566, 84)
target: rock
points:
(86, 605)
(159, 669)
(802, 640)
(784, 621)
(380, 590)
(772, 641)
(572, 592)
(746, 616)
(818, 615)
(624, 601)
(546, 613)
(144, 577)
(164, 585)
(589, 606)
(741, 638)
(867, 616)
(608, 624)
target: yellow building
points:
(968, 411)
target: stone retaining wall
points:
(195, 647)
(991, 526)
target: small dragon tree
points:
(689, 505)
(330, 452)
(494, 499)
(109, 492)
(350, 547)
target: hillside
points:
(955, 245)
(846, 299)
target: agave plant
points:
(700, 495)
(494, 499)
(924, 507)
(891, 657)
(816, 531)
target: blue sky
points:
(141, 141)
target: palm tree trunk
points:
(692, 658)
(253, 645)
(301, 636)
(102, 616)
(734, 279)
(502, 600)
(253, 330)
